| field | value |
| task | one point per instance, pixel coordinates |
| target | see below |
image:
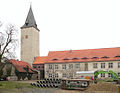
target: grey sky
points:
(68, 24)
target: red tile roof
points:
(40, 60)
(86, 55)
(20, 65)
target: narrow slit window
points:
(26, 36)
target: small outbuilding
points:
(17, 70)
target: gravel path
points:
(49, 90)
(29, 90)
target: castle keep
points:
(29, 39)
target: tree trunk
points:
(0, 59)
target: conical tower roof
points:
(30, 20)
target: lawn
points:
(13, 85)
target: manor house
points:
(64, 64)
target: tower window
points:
(26, 36)
(26, 24)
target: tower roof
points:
(30, 20)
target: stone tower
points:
(29, 39)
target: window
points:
(110, 75)
(38, 66)
(119, 65)
(105, 57)
(77, 66)
(65, 59)
(102, 74)
(34, 66)
(42, 66)
(56, 75)
(102, 65)
(26, 36)
(50, 66)
(86, 66)
(50, 75)
(54, 59)
(110, 65)
(119, 74)
(94, 57)
(26, 24)
(71, 75)
(117, 56)
(64, 75)
(70, 66)
(64, 66)
(56, 66)
(75, 58)
(94, 65)
(84, 58)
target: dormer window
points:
(117, 56)
(26, 68)
(26, 24)
(94, 57)
(36, 25)
(55, 59)
(65, 59)
(84, 58)
(105, 57)
(75, 58)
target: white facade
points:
(51, 72)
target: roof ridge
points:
(84, 49)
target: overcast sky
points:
(68, 24)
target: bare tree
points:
(8, 41)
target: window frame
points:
(95, 65)
(110, 65)
(70, 75)
(118, 64)
(50, 66)
(56, 66)
(102, 74)
(118, 74)
(50, 75)
(56, 75)
(110, 75)
(102, 65)
(64, 66)
(64, 75)
(77, 66)
(70, 66)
